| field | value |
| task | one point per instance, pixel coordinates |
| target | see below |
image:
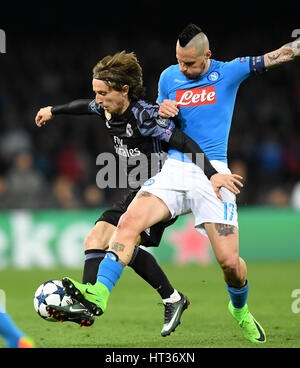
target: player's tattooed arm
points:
(286, 53)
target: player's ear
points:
(125, 89)
(207, 54)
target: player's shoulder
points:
(237, 62)
(170, 71)
(96, 108)
(235, 70)
(144, 105)
(92, 105)
(143, 108)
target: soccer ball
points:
(50, 292)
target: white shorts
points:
(184, 188)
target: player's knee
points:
(93, 242)
(89, 242)
(129, 223)
(229, 264)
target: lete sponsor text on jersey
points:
(196, 96)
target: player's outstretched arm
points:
(77, 107)
(285, 54)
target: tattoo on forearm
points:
(143, 194)
(285, 54)
(274, 56)
(292, 49)
(295, 45)
(224, 229)
(117, 246)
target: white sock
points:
(172, 298)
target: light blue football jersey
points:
(206, 104)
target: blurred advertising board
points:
(54, 238)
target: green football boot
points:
(252, 330)
(76, 312)
(93, 297)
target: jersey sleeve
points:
(241, 68)
(163, 87)
(77, 107)
(238, 70)
(151, 124)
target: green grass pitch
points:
(134, 318)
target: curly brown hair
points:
(119, 70)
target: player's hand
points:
(43, 116)
(168, 109)
(227, 181)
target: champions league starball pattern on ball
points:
(50, 293)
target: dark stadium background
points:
(51, 50)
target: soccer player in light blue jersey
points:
(201, 92)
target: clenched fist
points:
(43, 116)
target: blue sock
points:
(110, 270)
(238, 297)
(9, 331)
